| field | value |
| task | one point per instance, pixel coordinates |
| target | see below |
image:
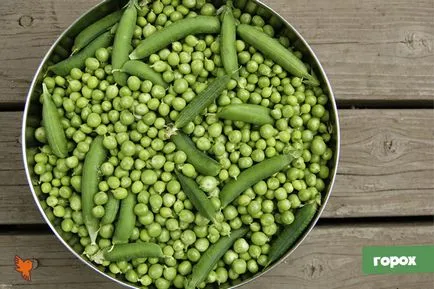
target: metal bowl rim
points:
(305, 233)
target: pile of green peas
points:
(142, 160)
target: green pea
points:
(229, 257)
(156, 202)
(245, 162)
(106, 231)
(102, 54)
(147, 218)
(197, 66)
(259, 238)
(180, 86)
(318, 146)
(324, 172)
(120, 193)
(241, 246)
(318, 110)
(186, 216)
(155, 271)
(328, 154)
(188, 170)
(184, 268)
(93, 120)
(267, 219)
(287, 218)
(254, 208)
(98, 211)
(76, 73)
(202, 244)
(100, 198)
(126, 101)
(154, 230)
(112, 91)
(172, 224)
(140, 209)
(239, 266)
(255, 251)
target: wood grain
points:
(387, 164)
(386, 168)
(371, 50)
(329, 258)
(29, 29)
(16, 201)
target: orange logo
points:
(23, 267)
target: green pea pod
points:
(94, 30)
(272, 49)
(121, 44)
(144, 72)
(172, 33)
(53, 127)
(61, 51)
(127, 252)
(66, 42)
(126, 221)
(64, 67)
(202, 101)
(250, 113)
(201, 161)
(111, 210)
(254, 174)
(290, 233)
(228, 48)
(89, 185)
(211, 256)
(197, 197)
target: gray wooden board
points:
(329, 258)
(386, 167)
(371, 50)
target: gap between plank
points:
(33, 229)
(342, 104)
(14, 106)
(374, 220)
(385, 104)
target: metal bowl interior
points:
(32, 118)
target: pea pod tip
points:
(133, 56)
(312, 80)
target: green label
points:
(398, 259)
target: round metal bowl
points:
(32, 118)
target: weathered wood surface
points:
(371, 50)
(387, 164)
(386, 168)
(329, 258)
(375, 52)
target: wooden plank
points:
(329, 258)
(387, 160)
(370, 47)
(29, 29)
(372, 50)
(10, 131)
(15, 196)
(386, 169)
